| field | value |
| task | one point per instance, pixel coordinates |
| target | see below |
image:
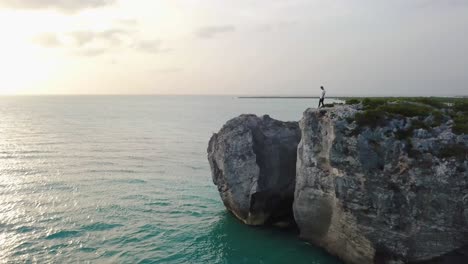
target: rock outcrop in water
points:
(389, 193)
(253, 163)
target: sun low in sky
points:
(243, 47)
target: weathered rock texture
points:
(368, 197)
(253, 163)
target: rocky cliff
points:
(394, 190)
(253, 163)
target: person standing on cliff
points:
(322, 98)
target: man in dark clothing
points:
(322, 98)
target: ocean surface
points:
(125, 179)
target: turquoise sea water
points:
(124, 179)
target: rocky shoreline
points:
(395, 192)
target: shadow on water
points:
(230, 241)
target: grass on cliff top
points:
(378, 110)
(437, 102)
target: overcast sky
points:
(255, 47)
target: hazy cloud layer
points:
(263, 47)
(69, 6)
(212, 31)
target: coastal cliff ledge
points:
(380, 184)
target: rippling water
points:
(124, 179)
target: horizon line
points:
(245, 96)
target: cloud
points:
(86, 43)
(48, 40)
(112, 36)
(67, 6)
(93, 43)
(151, 46)
(82, 37)
(212, 31)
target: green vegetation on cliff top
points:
(425, 113)
(378, 110)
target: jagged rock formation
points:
(390, 193)
(253, 163)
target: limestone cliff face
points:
(253, 163)
(366, 195)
